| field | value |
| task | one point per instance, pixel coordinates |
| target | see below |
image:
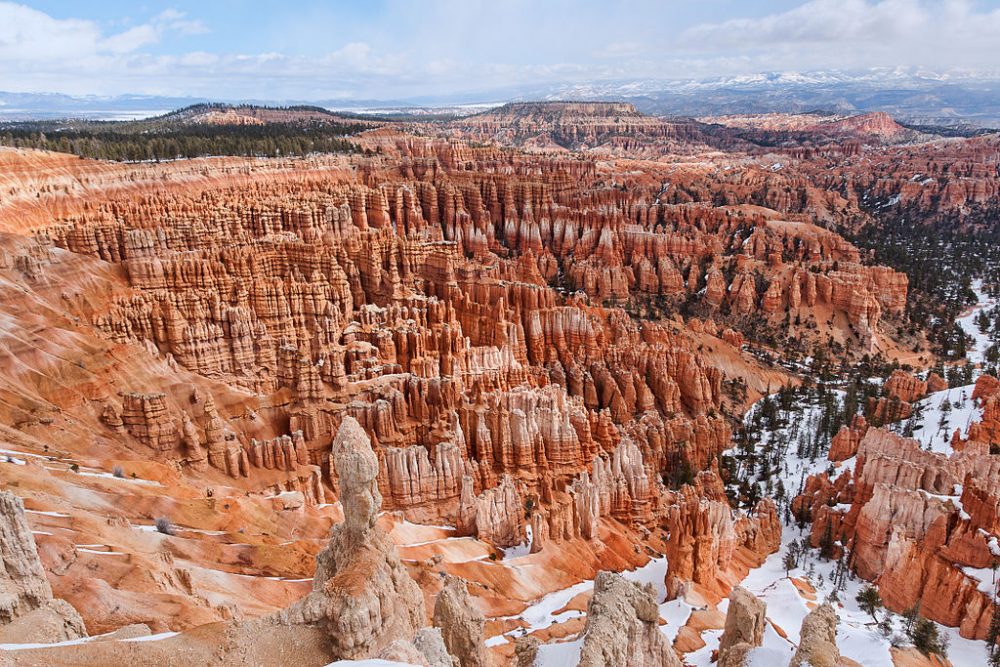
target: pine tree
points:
(826, 544)
(869, 601)
(788, 562)
(991, 639)
(926, 638)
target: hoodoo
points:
(632, 373)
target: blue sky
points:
(402, 48)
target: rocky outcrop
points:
(912, 521)
(704, 535)
(459, 301)
(905, 387)
(526, 651)
(430, 643)
(461, 624)
(427, 650)
(845, 443)
(496, 516)
(362, 595)
(818, 639)
(744, 629)
(28, 612)
(987, 394)
(623, 627)
(504, 325)
(899, 392)
(702, 539)
(145, 416)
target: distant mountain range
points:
(918, 97)
(912, 97)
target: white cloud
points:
(171, 19)
(439, 46)
(620, 50)
(31, 37)
(857, 33)
(130, 40)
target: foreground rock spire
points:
(362, 595)
(623, 627)
(818, 639)
(461, 624)
(28, 612)
(745, 621)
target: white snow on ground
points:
(676, 614)
(200, 531)
(23, 647)
(786, 607)
(18, 454)
(963, 652)
(765, 657)
(542, 613)
(522, 549)
(371, 662)
(438, 540)
(144, 528)
(935, 426)
(108, 475)
(422, 526)
(703, 656)
(85, 640)
(654, 572)
(176, 530)
(560, 654)
(932, 425)
(151, 638)
(986, 577)
(977, 352)
(800, 427)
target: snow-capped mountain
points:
(914, 95)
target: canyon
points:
(471, 395)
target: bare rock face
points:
(735, 655)
(362, 595)
(24, 585)
(402, 651)
(904, 532)
(415, 293)
(844, 445)
(146, 417)
(427, 650)
(905, 387)
(705, 538)
(496, 515)
(818, 639)
(622, 627)
(987, 394)
(461, 624)
(430, 643)
(744, 623)
(28, 612)
(526, 651)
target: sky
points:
(398, 49)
